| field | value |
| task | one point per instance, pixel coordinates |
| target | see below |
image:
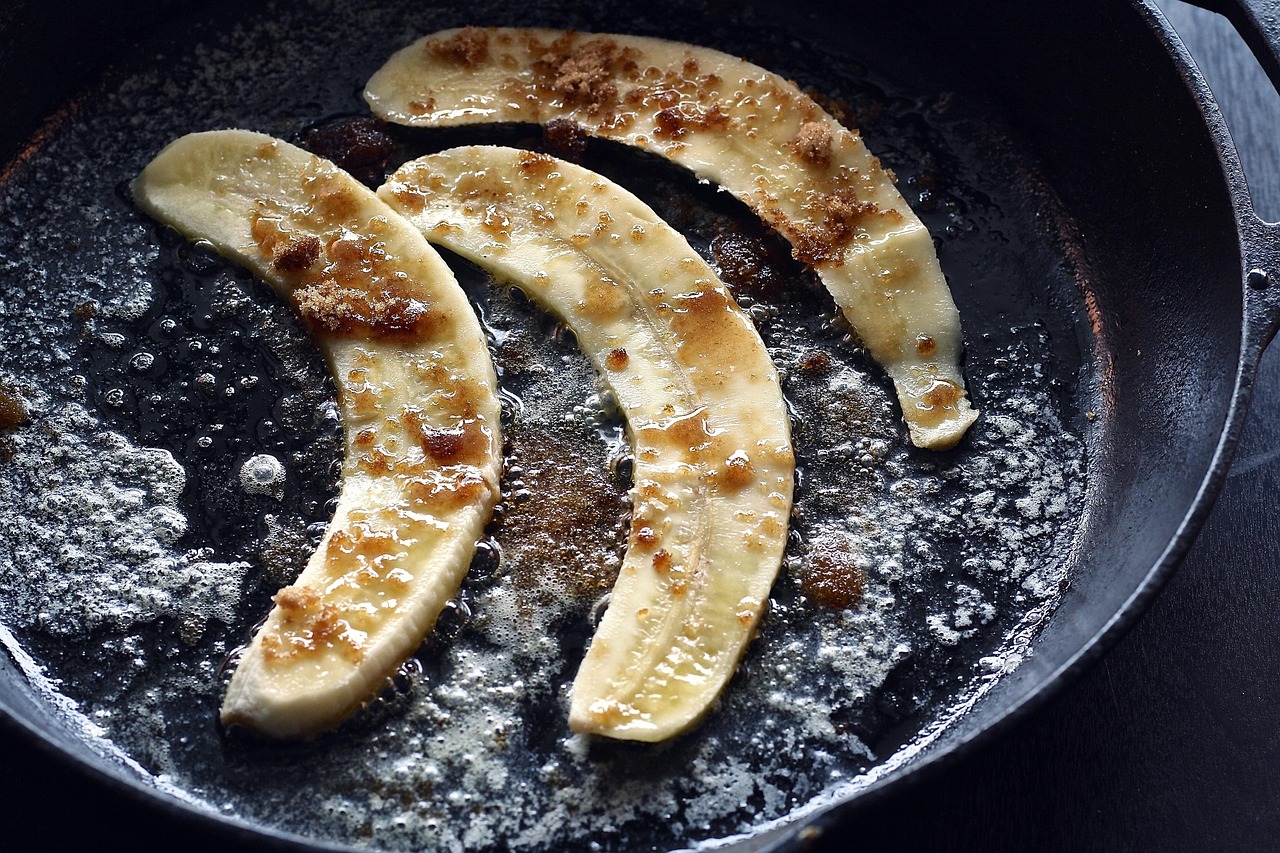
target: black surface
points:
(1170, 743)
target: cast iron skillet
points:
(1179, 288)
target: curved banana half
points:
(750, 131)
(419, 406)
(710, 433)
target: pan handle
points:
(1258, 23)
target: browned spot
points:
(336, 203)
(937, 402)
(737, 471)
(495, 223)
(307, 623)
(296, 255)
(86, 310)
(616, 359)
(644, 534)
(468, 47)
(266, 231)
(832, 576)
(942, 394)
(467, 443)
(687, 433)
(704, 304)
(410, 199)
(535, 163)
(926, 345)
(442, 492)
(662, 561)
(675, 121)
(365, 438)
(355, 549)
(813, 143)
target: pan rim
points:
(1095, 648)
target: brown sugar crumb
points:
(751, 263)
(832, 576)
(813, 143)
(616, 359)
(296, 599)
(332, 308)
(570, 530)
(358, 145)
(13, 409)
(661, 561)
(645, 535)
(841, 220)
(307, 623)
(296, 255)
(815, 363)
(582, 77)
(565, 138)
(926, 345)
(86, 311)
(468, 47)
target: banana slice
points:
(711, 436)
(744, 128)
(419, 406)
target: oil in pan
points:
(181, 459)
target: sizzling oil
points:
(181, 462)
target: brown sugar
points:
(832, 576)
(468, 47)
(331, 308)
(583, 76)
(296, 255)
(13, 409)
(813, 143)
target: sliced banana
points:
(419, 406)
(744, 128)
(710, 433)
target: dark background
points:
(1171, 743)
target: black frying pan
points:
(1170, 291)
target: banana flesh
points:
(713, 460)
(419, 405)
(744, 128)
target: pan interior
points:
(139, 549)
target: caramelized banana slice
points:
(744, 128)
(419, 406)
(713, 460)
